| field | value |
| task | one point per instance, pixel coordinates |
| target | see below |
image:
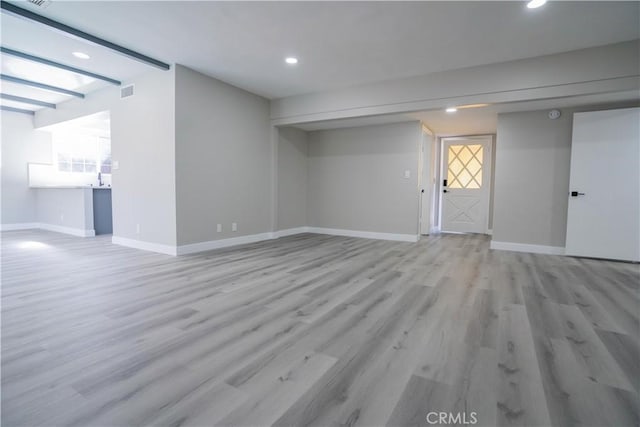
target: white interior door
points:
(603, 219)
(467, 174)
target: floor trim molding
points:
(365, 234)
(254, 238)
(79, 232)
(20, 226)
(145, 246)
(522, 247)
(215, 244)
(290, 232)
(222, 243)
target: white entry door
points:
(603, 219)
(465, 190)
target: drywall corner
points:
(292, 171)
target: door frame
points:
(487, 165)
(426, 181)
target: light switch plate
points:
(234, 226)
(407, 174)
(115, 165)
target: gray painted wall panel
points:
(532, 178)
(223, 159)
(143, 142)
(356, 178)
(65, 207)
(20, 145)
(293, 150)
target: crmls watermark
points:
(451, 418)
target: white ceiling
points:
(339, 43)
(98, 124)
(29, 70)
(474, 121)
(39, 40)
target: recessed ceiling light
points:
(534, 4)
(291, 60)
(451, 110)
(80, 55)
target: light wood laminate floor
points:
(314, 330)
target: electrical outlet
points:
(407, 174)
(115, 165)
(61, 217)
(137, 228)
(219, 228)
(234, 226)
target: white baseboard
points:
(50, 227)
(290, 232)
(522, 247)
(253, 238)
(223, 243)
(365, 234)
(20, 226)
(145, 246)
(67, 230)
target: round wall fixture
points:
(554, 114)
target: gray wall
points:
(356, 178)
(143, 142)
(21, 144)
(532, 178)
(600, 69)
(533, 156)
(187, 140)
(293, 149)
(65, 207)
(223, 159)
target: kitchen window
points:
(82, 154)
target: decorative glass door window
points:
(465, 166)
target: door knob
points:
(576, 194)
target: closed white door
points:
(603, 219)
(466, 186)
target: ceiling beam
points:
(44, 61)
(26, 100)
(58, 26)
(40, 85)
(17, 110)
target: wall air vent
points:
(40, 3)
(126, 91)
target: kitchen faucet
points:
(100, 183)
